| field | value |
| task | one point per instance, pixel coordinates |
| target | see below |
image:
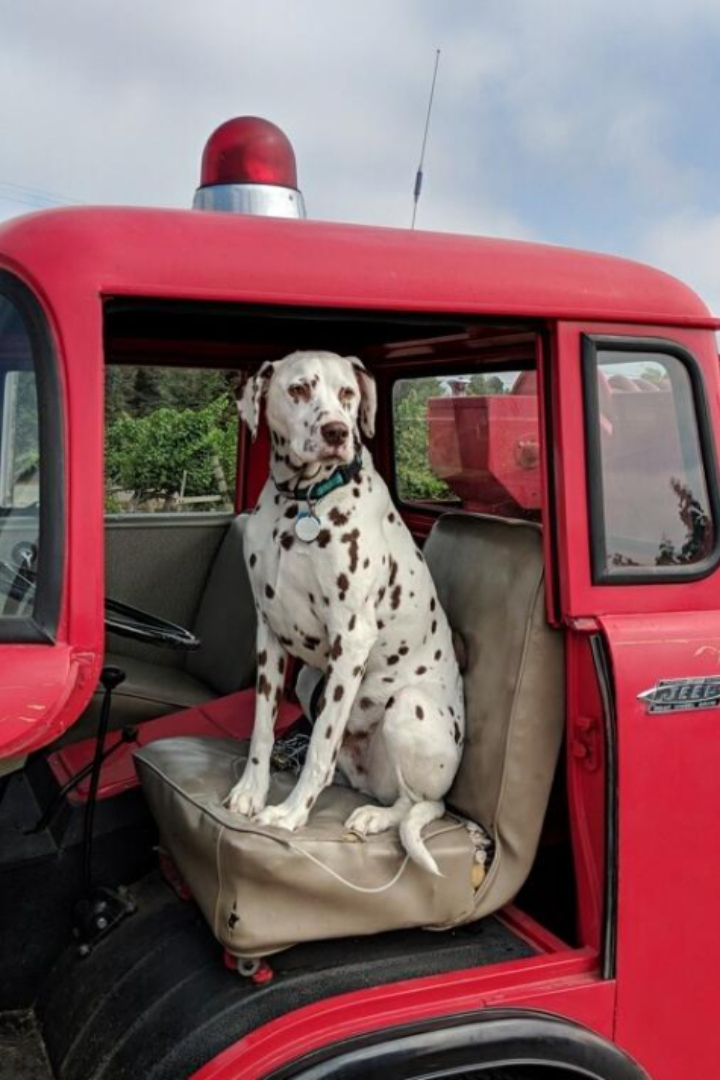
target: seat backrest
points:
(225, 620)
(489, 575)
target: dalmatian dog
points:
(340, 585)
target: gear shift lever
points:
(100, 908)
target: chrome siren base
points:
(264, 199)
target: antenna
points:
(419, 175)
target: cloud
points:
(582, 124)
(688, 245)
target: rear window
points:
(651, 500)
(469, 440)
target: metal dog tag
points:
(307, 527)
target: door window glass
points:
(651, 507)
(20, 464)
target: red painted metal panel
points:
(563, 984)
(182, 254)
(669, 879)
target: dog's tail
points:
(418, 816)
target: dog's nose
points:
(334, 434)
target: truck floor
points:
(22, 1053)
(154, 999)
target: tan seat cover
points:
(263, 889)
(489, 575)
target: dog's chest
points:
(286, 573)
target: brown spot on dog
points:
(380, 624)
(281, 665)
(255, 761)
(338, 692)
(391, 516)
(380, 595)
(395, 597)
(269, 592)
(419, 712)
(357, 670)
(286, 641)
(432, 604)
(252, 560)
(393, 571)
(418, 555)
(326, 601)
(262, 658)
(366, 563)
(311, 643)
(365, 703)
(356, 492)
(451, 710)
(343, 585)
(389, 703)
(264, 687)
(433, 626)
(438, 654)
(353, 621)
(287, 540)
(456, 732)
(323, 538)
(336, 649)
(388, 678)
(292, 510)
(337, 517)
(421, 670)
(311, 597)
(351, 538)
(308, 802)
(393, 660)
(328, 731)
(275, 534)
(403, 650)
(321, 703)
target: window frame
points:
(41, 626)
(592, 345)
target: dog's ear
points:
(368, 397)
(249, 402)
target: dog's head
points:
(316, 401)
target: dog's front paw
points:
(282, 817)
(248, 796)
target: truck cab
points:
(524, 389)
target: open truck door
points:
(50, 622)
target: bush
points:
(152, 455)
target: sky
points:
(589, 123)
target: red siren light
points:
(248, 166)
(248, 150)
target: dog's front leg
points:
(249, 794)
(349, 653)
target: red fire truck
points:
(545, 415)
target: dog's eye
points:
(299, 392)
(346, 395)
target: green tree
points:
(415, 478)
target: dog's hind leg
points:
(249, 795)
(418, 744)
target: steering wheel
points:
(132, 622)
(121, 619)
